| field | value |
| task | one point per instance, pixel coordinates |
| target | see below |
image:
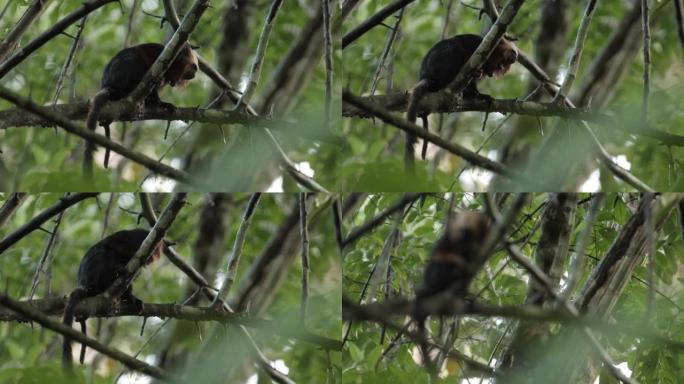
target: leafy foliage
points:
(550, 149)
(372, 354)
(219, 153)
(28, 353)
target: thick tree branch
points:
(92, 307)
(10, 206)
(447, 102)
(447, 305)
(486, 47)
(69, 126)
(40, 318)
(155, 236)
(124, 111)
(154, 74)
(456, 149)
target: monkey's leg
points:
(471, 92)
(127, 297)
(154, 100)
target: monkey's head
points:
(501, 59)
(466, 230)
(183, 69)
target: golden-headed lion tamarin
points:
(123, 73)
(99, 268)
(441, 65)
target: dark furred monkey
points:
(441, 65)
(99, 268)
(124, 72)
(454, 261)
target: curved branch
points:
(41, 218)
(458, 150)
(124, 111)
(489, 42)
(155, 236)
(69, 126)
(446, 102)
(40, 318)
(58, 28)
(225, 85)
(92, 307)
(372, 21)
(172, 48)
(14, 35)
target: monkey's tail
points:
(96, 105)
(420, 317)
(77, 295)
(109, 136)
(423, 152)
(417, 93)
(83, 347)
(424, 349)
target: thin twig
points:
(304, 234)
(69, 59)
(327, 37)
(234, 259)
(27, 20)
(646, 28)
(576, 56)
(47, 253)
(391, 38)
(373, 21)
(41, 218)
(59, 27)
(372, 223)
(69, 126)
(255, 71)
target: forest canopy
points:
(279, 139)
(44, 236)
(545, 138)
(616, 259)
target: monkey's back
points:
(440, 276)
(106, 258)
(446, 58)
(126, 69)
